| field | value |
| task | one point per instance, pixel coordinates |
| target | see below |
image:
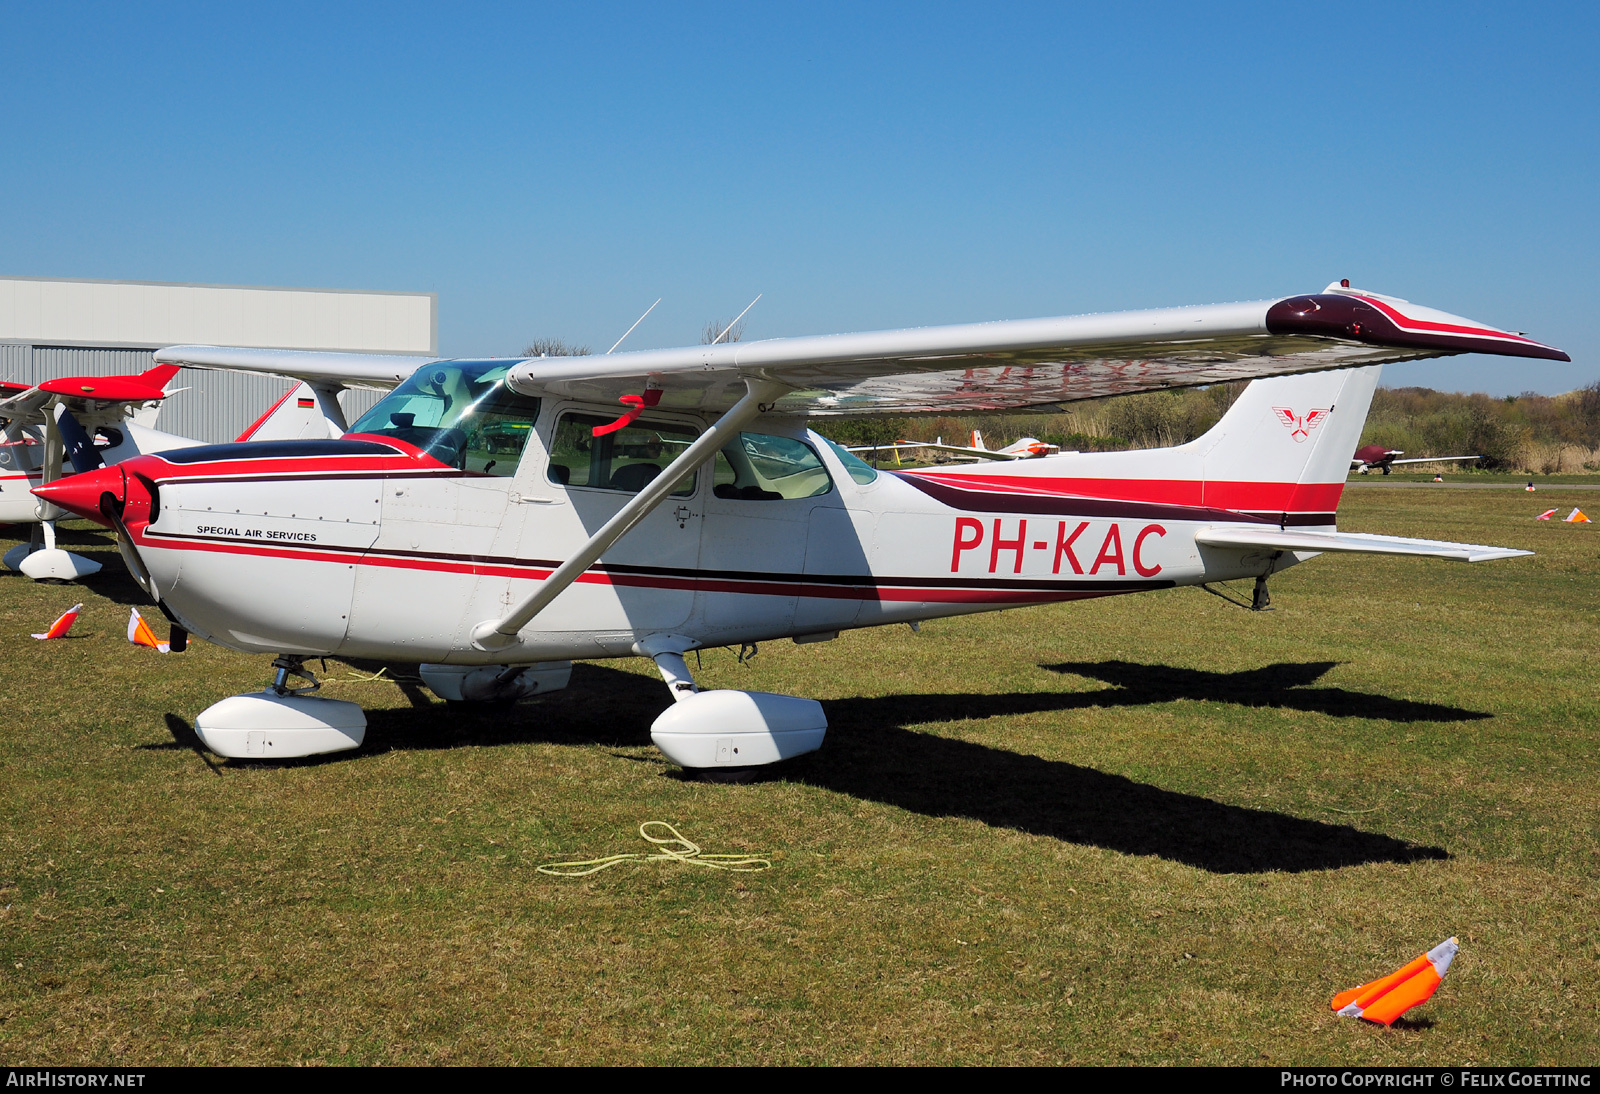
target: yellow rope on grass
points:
(674, 848)
(356, 676)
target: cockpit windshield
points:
(459, 412)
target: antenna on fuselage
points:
(636, 322)
(729, 328)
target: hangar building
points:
(53, 327)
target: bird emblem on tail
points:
(1301, 425)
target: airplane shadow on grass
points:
(1281, 685)
(870, 754)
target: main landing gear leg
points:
(712, 731)
(1260, 599)
(283, 721)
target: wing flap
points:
(1274, 539)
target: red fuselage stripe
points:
(865, 591)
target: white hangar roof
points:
(152, 314)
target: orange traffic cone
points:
(60, 627)
(140, 634)
(1575, 517)
(1546, 515)
(1384, 1000)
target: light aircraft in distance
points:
(1377, 457)
(75, 424)
(493, 520)
(1025, 448)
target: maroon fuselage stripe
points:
(1130, 499)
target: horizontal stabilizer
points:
(1276, 539)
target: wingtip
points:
(1352, 315)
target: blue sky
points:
(550, 171)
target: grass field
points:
(1151, 829)
(1507, 478)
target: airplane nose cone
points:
(80, 494)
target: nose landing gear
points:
(281, 722)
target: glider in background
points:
(495, 520)
(1377, 457)
(1024, 449)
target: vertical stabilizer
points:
(1292, 429)
(304, 413)
(1282, 451)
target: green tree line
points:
(1536, 434)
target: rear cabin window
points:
(859, 470)
(762, 467)
(627, 460)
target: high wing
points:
(969, 368)
(1435, 459)
(374, 370)
(1275, 539)
(1020, 364)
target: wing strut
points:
(497, 634)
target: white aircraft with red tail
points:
(1024, 448)
(75, 424)
(494, 520)
(82, 421)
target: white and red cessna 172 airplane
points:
(494, 520)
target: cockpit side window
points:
(627, 460)
(459, 412)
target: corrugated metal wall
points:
(215, 407)
(31, 364)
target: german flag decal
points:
(307, 404)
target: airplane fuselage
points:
(369, 548)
